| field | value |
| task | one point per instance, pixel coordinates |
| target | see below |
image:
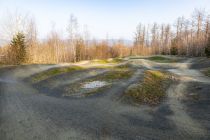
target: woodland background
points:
(186, 37)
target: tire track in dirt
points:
(187, 126)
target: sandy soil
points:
(36, 112)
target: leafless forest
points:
(187, 37)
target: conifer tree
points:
(18, 48)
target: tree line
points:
(187, 37)
(25, 47)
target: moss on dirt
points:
(151, 90)
(53, 72)
(161, 59)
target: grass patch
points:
(151, 90)
(114, 67)
(137, 57)
(107, 61)
(104, 67)
(53, 72)
(124, 66)
(116, 74)
(100, 61)
(2, 64)
(116, 60)
(161, 59)
(110, 77)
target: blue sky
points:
(115, 18)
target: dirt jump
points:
(86, 101)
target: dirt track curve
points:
(29, 112)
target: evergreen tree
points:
(174, 50)
(18, 48)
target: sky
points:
(104, 18)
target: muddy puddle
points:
(86, 88)
(94, 84)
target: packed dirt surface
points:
(41, 111)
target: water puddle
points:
(94, 84)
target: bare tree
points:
(73, 35)
(154, 41)
(32, 41)
(198, 17)
(13, 23)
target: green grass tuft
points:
(116, 74)
(53, 72)
(104, 61)
(151, 90)
(161, 59)
(107, 61)
(116, 60)
(124, 66)
(119, 72)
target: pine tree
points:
(174, 50)
(18, 48)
